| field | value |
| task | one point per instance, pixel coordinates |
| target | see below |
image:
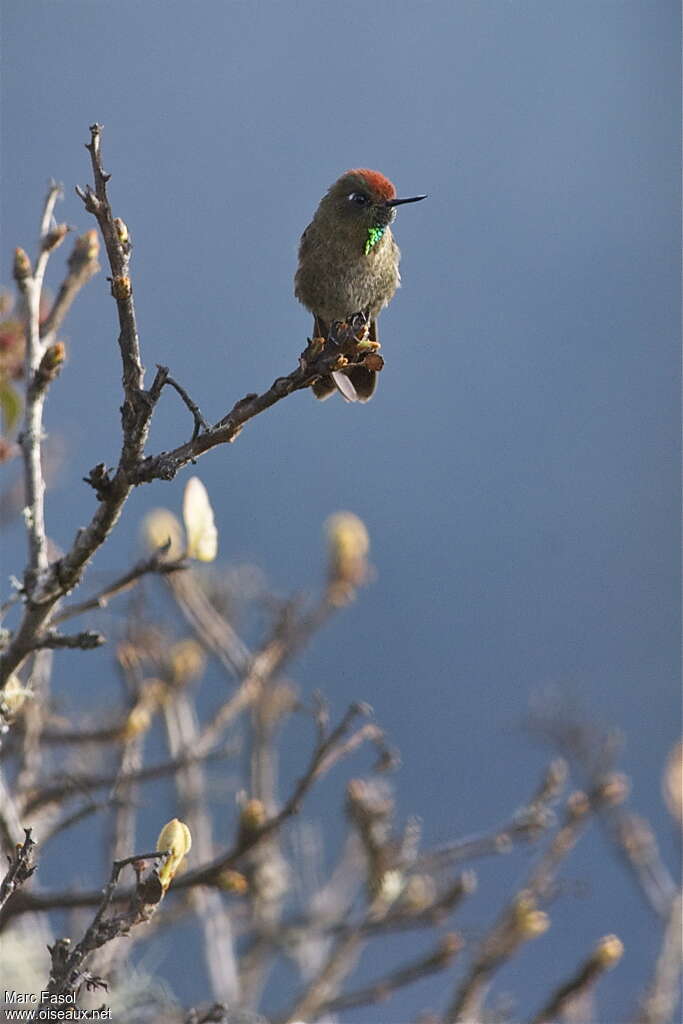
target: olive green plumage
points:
(348, 262)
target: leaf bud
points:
(86, 249)
(176, 838)
(160, 527)
(22, 266)
(608, 952)
(54, 238)
(121, 229)
(348, 546)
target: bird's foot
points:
(313, 351)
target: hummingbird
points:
(348, 263)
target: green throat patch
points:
(374, 236)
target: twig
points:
(521, 920)
(83, 265)
(86, 641)
(190, 782)
(605, 956)
(137, 408)
(664, 991)
(67, 973)
(323, 987)
(163, 379)
(155, 564)
(21, 867)
(256, 669)
(30, 284)
(74, 784)
(636, 844)
(211, 628)
(383, 988)
(67, 822)
(313, 363)
(208, 873)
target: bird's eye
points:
(359, 198)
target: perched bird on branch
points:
(348, 264)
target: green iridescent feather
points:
(374, 236)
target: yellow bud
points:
(529, 922)
(202, 536)
(187, 661)
(159, 527)
(608, 951)
(138, 721)
(391, 885)
(420, 892)
(578, 805)
(22, 265)
(613, 789)
(121, 230)
(86, 249)
(253, 815)
(535, 923)
(348, 547)
(55, 237)
(14, 695)
(232, 881)
(175, 837)
(140, 716)
(54, 357)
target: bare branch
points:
(67, 973)
(605, 956)
(137, 408)
(521, 920)
(209, 873)
(156, 564)
(664, 991)
(86, 641)
(30, 284)
(73, 785)
(383, 988)
(21, 867)
(83, 265)
(162, 380)
(314, 362)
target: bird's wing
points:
(305, 243)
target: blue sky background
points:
(518, 469)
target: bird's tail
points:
(355, 384)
